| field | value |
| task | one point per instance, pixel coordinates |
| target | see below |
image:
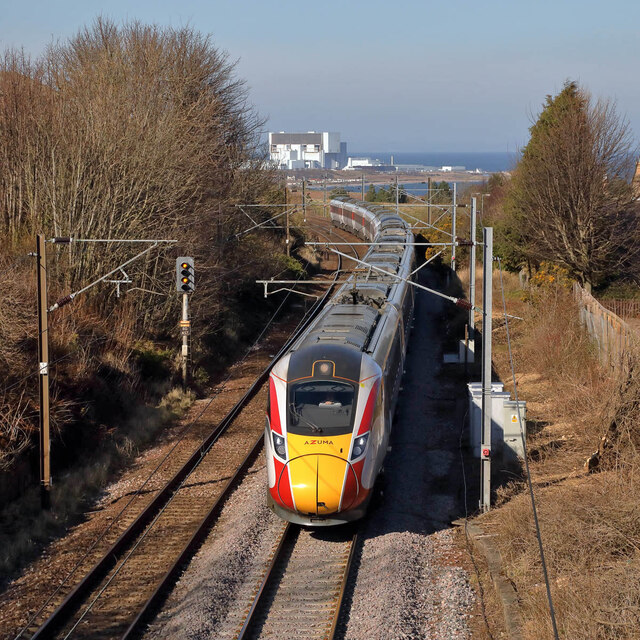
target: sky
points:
(399, 75)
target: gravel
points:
(225, 570)
(410, 582)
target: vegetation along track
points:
(120, 592)
(303, 587)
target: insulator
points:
(465, 304)
(65, 300)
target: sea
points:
(487, 162)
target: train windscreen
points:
(321, 407)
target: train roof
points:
(350, 325)
(384, 214)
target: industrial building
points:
(310, 150)
(362, 163)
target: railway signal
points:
(185, 275)
(185, 284)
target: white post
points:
(487, 302)
(324, 196)
(453, 228)
(397, 201)
(304, 201)
(472, 278)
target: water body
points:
(488, 162)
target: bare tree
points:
(125, 131)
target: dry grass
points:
(591, 534)
(564, 383)
(590, 522)
(25, 527)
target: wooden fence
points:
(612, 334)
(622, 308)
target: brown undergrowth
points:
(590, 521)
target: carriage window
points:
(321, 407)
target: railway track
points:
(302, 591)
(124, 588)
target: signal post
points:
(185, 284)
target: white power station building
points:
(310, 150)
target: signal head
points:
(185, 275)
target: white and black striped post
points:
(454, 214)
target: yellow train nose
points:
(318, 481)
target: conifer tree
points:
(570, 196)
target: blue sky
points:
(404, 75)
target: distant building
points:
(311, 150)
(361, 163)
(448, 169)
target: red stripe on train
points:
(281, 493)
(367, 415)
(275, 410)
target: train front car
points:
(325, 437)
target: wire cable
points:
(526, 463)
(466, 527)
(15, 263)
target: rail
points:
(302, 589)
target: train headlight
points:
(359, 446)
(279, 447)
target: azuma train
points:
(332, 396)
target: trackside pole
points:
(43, 377)
(472, 278)
(454, 213)
(185, 337)
(304, 200)
(324, 197)
(397, 199)
(487, 302)
(287, 216)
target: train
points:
(332, 395)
